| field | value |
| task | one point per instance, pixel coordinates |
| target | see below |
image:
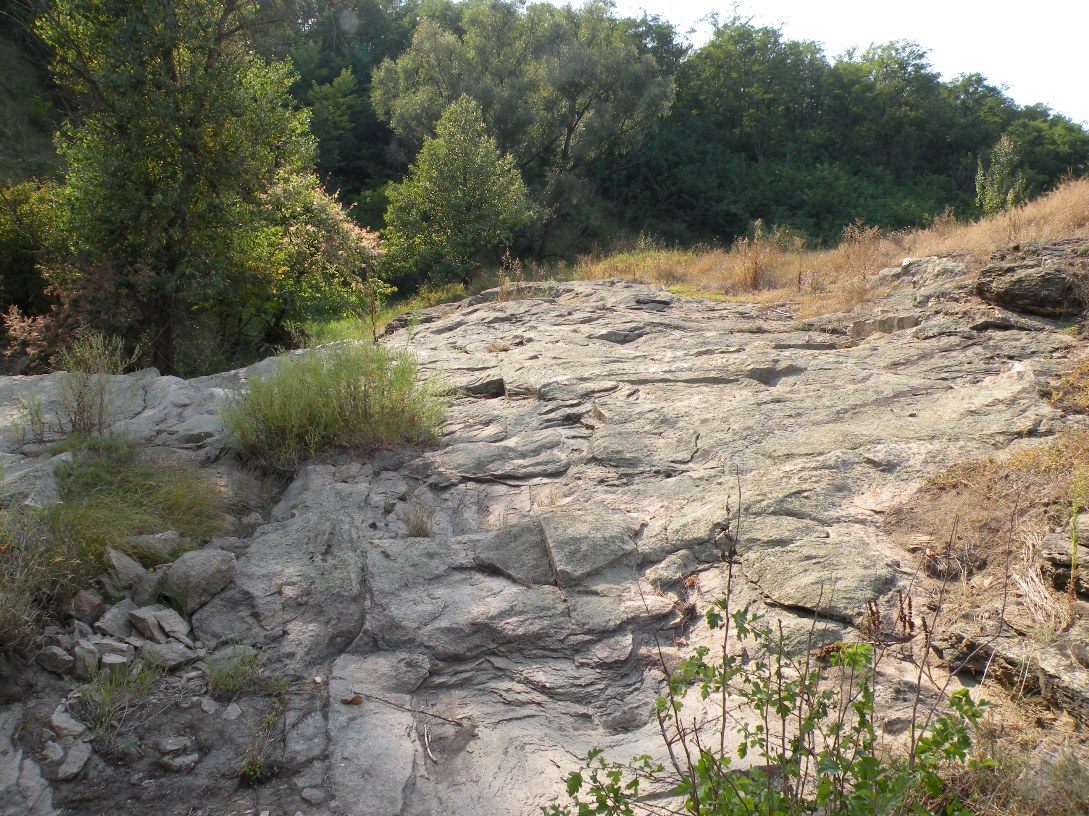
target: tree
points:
(187, 173)
(1002, 185)
(560, 88)
(461, 199)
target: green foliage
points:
(355, 395)
(110, 696)
(560, 89)
(1002, 185)
(27, 229)
(28, 113)
(461, 201)
(808, 735)
(189, 189)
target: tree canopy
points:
(189, 189)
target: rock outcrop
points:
(607, 447)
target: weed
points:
(88, 364)
(240, 672)
(1071, 393)
(254, 769)
(354, 396)
(420, 521)
(109, 699)
(812, 738)
(29, 421)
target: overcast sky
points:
(1039, 50)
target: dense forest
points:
(229, 164)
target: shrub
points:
(88, 363)
(812, 735)
(355, 396)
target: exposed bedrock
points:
(605, 441)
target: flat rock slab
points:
(583, 540)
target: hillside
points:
(451, 629)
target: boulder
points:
(1050, 291)
(197, 577)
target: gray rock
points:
(180, 764)
(86, 659)
(174, 625)
(157, 548)
(174, 745)
(65, 725)
(124, 571)
(31, 482)
(52, 752)
(114, 664)
(232, 712)
(105, 646)
(86, 606)
(146, 621)
(198, 576)
(519, 552)
(1024, 287)
(115, 622)
(23, 789)
(56, 660)
(170, 656)
(584, 540)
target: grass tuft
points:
(109, 493)
(356, 396)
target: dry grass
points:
(774, 266)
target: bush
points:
(812, 735)
(355, 395)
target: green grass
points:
(355, 396)
(109, 493)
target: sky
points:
(1039, 50)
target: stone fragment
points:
(52, 752)
(115, 622)
(146, 622)
(180, 764)
(86, 606)
(174, 625)
(105, 646)
(197, 577)
(169, 656)
(232, 712)
(55, 659)
(75, 761)
(208, 705)
(114, 664)
(86, 659)
(174, 745)
(64, 724)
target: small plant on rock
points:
(354, 396)
(809, 739)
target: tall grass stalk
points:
(354, 396)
